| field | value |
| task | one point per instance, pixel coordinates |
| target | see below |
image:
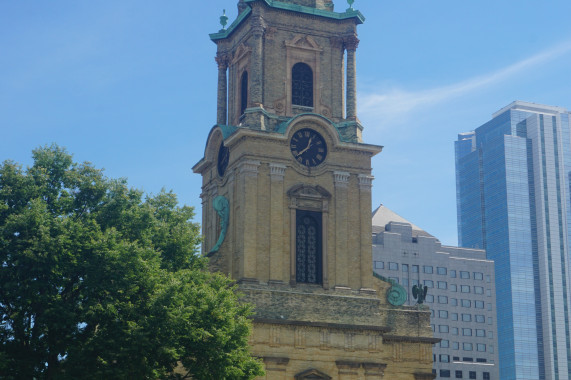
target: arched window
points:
(244, 93)
(302, 85)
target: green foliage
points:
(98, 283)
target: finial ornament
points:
(223, 19)
(350, 2)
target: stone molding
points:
(249, 168)
(277, 171)
(365, 182)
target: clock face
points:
(223, 158)
(308, 147)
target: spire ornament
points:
(223, 20)
(350, 2)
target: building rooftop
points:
(383, 216)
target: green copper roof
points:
(348, 14)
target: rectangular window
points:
(415, 269)
(456, 358)
(452, 273)
(415, 282)
(444, 343)
(481, 347)
(455, 345)
(478, 290)
(489, 320)
(467, 346)
(467, 317)
(480, 332)
(454, 330)
(472, 375)
(393, 266)
(489, 306)
(479, 304)
(433, 327)
(458, 374)
(465, 288)
(429, 298)
(464, 274)
(444, 358)
(429, 283)
(467, 332)
(442, 299)
(454, 316)
(443, 328)
(486, 375)
(466, 303)
(453, 302)
(488, 278)
(441, 284)
(405, 282)
(443, 314)
(441, 270)
(480, 318)
(491, 334)
(480, 360)
(427, 269)
(379, 265)
(478, 276)
(453, 288)
(444, 373)
(488, 293)
(404, 267)
(465, 359)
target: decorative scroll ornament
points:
(396, 295)
(222, 207)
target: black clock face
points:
(223, 158)
(308, 147)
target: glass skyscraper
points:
(513, 185)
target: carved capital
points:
(377, 369)
(336, 42)
(341, 179)
(223, 60)
(249, 168)
(365, 182)
(351, 42)
(277, 172)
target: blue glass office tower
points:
(513, 185)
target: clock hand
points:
(306, 148)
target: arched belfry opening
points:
(302, 85)
(243, 92)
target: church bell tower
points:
(286, 198)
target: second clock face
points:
(308, 147)
(223, 158)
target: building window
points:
(478, 276)
(442, 299)
(453, 288)
(452, 273)
(489, 306)
(308, 266)
(466, 303)
(429, 298)
(443, 314)
(441, 270)
(441, 284)
(472, 375)
(478, 290)
(455, 345)
(244, 93)
(302, 85)
(427, 269)
(465, 359)
(453, 302)
(443, 328)
(415, 269)
(480, 332)
(467, 346)
(488, 278)
(464, 274)
(444, 358)
(454, 316)
(481, 360)
(379, 265)
(479, 304)
(466, 317)
(444, 373)
(455, 329)
(465, 288)
(486, 375)
(480, 318)
(393, 266)
(467, 332)
(429, 283)
(458, 374)
(404, 267)
(481, 347)
(488, 293)
(444, 344)
(491, 334)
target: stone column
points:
(366, 264)
(277, 221)
(341, 181)
(351, 44)
(222, 60)
(257, 74)
(249, 173)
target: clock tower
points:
(286, 199)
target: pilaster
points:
(341, 182)
(222, 59)
(365, 186)
(277, 221)
(249, 174)
(351, 44)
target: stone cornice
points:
(340, 326)
(409, 339)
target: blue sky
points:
(131, 86)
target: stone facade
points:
(339, 326)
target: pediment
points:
(303, 42)
(305, 191)
(241, 52)
(312, 374)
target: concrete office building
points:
(461, 294)
(513, 178)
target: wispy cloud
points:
(393, 104)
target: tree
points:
(98, 283)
